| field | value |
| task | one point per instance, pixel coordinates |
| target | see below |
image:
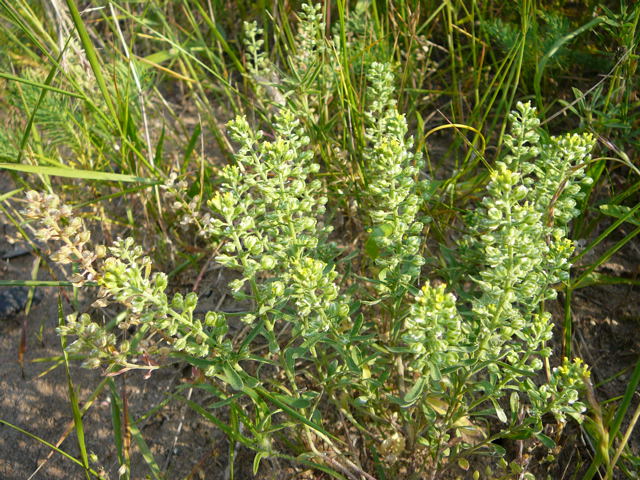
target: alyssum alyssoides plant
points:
(430, 374)
(482, 357)
(307, 80)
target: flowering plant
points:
(416, 365)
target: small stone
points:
(14, 299)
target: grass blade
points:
(52, 447)
(44, 86)
(116, 422)
(73, 399)
(8, 195)
(87, 405)
(626, 402)
(614, 426)
(619, 221)
(92, 56)
(605, 257)
(76, 173)
(40, 283)
(553, 50)
(146, 452)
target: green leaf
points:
(499, 411)
(291, 412)
(256, 461)
(396, 349)
(546, 441)
(415, 391)
(383, 230)
(290, 356)
(201, 363)
(497, 448)
(292, 401)
(232, 377)
(371, 247)
(521, 434)
(357, 325)
(621, 212)
(434, 371)
(235, 435)
(514, 403)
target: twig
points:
(178, 431)
(626, 436)
(200, 276)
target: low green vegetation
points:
(392, 192)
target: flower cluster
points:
(521, 253)
(125, 278)
(175, 193)
(434, 330)
(98, 345)
(560, 396)
(310, 45)
(58, 223)
(309, 74)
(258, 63)
(393, 194)
(268, 214)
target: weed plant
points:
(363, 313)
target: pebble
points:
(14, 299)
